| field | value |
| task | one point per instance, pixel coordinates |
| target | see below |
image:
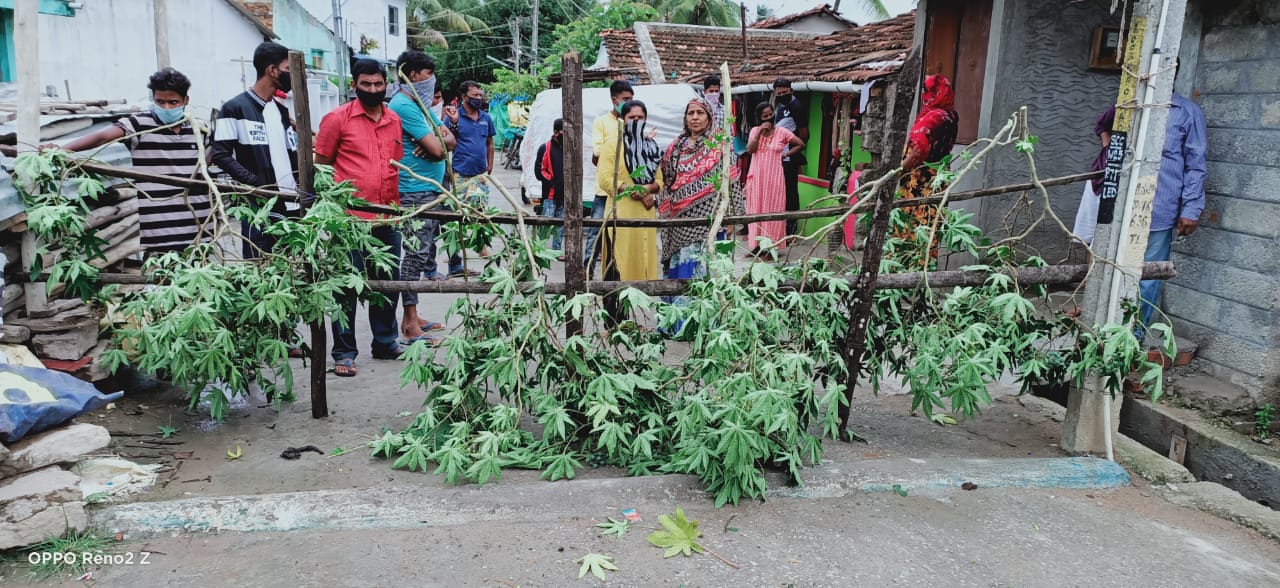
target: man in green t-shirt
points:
(426, 143)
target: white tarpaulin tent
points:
(665, 103)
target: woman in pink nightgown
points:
(766, 186)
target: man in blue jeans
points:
(360, 139)
(549, 167)
(1179, 196)
(426, 141)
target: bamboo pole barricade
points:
(864, 283)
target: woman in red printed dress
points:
(766, 184)
(931, 139)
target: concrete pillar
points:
(1084, 431)
(1142, 115)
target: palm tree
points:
(718, 13)
(431, 20)
(875, 7)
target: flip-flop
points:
(345, 368)
(432, 326)
(436, 277)
(430, 341)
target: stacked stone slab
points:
(39, 498)
(66, 334)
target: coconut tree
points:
(719, 13)
(431, 21)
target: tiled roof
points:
(782, 21)
(262, 11)
(696, 51)
(854, 55)
(693, 51)
(624, 51)
(262, 27)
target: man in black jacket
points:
(549, 167)
(255, 143)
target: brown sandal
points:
(345, 368)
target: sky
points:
(850, 9)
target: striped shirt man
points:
(171, 217)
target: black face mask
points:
(285, 82)
(370, 99)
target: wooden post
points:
(862, 302)
(1155, 35)
(302, 118)
(575, 274)
(160, 10)
(27, 53)
(306, 187)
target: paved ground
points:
(359, 523)
(987, 537)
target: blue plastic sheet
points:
(36, 399)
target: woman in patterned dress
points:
(766, 184)
(690, 171)
(931, 139)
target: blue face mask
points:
(167, 116)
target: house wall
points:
(302, 31)
(1227, 294)
(368, 18)
(1043, 65)
(107, 50)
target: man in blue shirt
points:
(426, 141)
(1179, 196)
(474, 154)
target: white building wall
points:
(107, 50)
(368, 18)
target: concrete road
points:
(985, 537)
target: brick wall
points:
(1227, 293)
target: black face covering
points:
(370, 99)
(285, 81)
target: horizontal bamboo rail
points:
(510, 219)
(1028, 276)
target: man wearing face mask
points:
(437, 104)
(360, 139)
(549, 163)
(711, 91)
(426, 142)
(473, 130)
(171, 218)
(789, 113)
(254, 141)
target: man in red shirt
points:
(360, 139)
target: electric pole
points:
(533, 61)
(160, 12)
(515, 40)
(339, 55)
